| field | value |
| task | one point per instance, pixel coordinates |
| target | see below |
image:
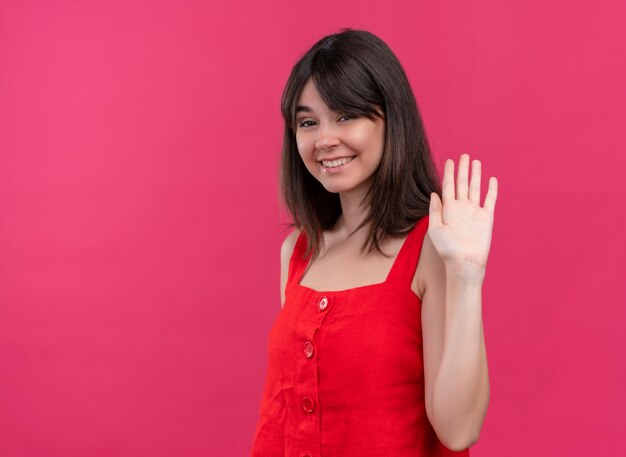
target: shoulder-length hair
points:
(355, 72)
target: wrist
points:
(467, 273)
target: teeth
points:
(336, 163)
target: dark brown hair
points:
(355, 72)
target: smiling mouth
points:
(336, 162)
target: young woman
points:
(378, 349)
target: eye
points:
(309, 123)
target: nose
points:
(327, 137)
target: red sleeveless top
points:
(346, 374)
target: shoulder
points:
(286, 249)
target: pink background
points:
(140, 226)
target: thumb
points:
(434, 218)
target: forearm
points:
(461, 388)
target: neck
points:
(353, 212)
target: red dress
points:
(345, 375)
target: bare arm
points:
(459, 230)
(455, 359)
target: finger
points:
(434, 215)
(461, 180)
(492, 194)
(474, 191)
(447, 187)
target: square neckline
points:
(364, 286)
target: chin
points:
(338, 189)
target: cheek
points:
(361, 136)
(379, 135)
(304, 147)
(369, 139)
(305, 150)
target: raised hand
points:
(459, 228)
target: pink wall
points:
(140, 227)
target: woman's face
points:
(323, 135)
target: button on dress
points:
(345, 368)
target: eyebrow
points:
(300, 108)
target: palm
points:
(460, 229)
